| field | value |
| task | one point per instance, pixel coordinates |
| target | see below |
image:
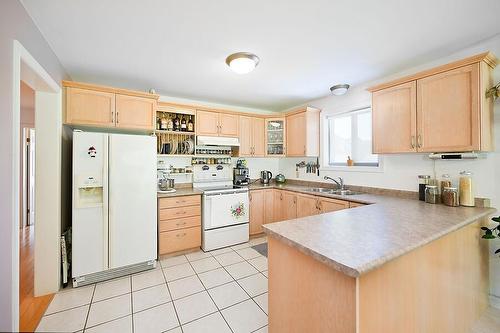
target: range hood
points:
(217, 141)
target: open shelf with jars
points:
(175, 131)
(275, 136)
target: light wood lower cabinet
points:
(289, 205)
(179, 223)
(261, 209)
(307, 205)
(330, 205)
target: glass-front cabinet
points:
(275, 137)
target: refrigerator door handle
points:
(105, 204)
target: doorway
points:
(37, 190)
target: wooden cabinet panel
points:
(448, 111)
(269, 205)
(228, 124)
(173, 202)
(355, 204)
(178, 240)
(331, 205)
(296, 135)
(89, 107)
(258, 137)
(289, 207)
(135, 112)
(257, 211)
(207, 123)
(246, 133)
(179, 212)
(307, 205)
(278, 205)
(394, 115)
(187, 222)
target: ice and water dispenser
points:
(89, 191)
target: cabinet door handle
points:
(281, 196)
(180, 212)
(250, 197)
(419, 141)
(181, 235)
(112, 117)
(117, 117)
(413, 141)
(180, 223)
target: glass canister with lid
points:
(449, 196)
(423, 181)
(466, 189)
(431, 194)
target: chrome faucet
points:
(340, 182)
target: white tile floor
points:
(220, 291)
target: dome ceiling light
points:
(242, 62)
(339, 89)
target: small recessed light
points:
(339, 89)
(242, 62)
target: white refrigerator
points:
(114, 205)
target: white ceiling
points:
(179, 47)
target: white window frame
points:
(326, 147)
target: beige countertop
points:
(180, 192)
(357, 240)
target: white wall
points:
(400, 171)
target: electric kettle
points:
(265, 177)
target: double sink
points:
(332, 191)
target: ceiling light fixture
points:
(339, 89)
(242, 62)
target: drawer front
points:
(178, 240)
(179, 212)
(187, 222)
(174, 202)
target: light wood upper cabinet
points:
(251, 134)
(98, 106)
(212, 123)
(90, 107)
(302, 133)
(394, 116)
(307, 205)
(443, 109)
(257, 211)
(228, 124)
(207, 123)
(135, 112)
(448, 111)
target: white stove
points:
(225, 208)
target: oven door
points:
(225, 209)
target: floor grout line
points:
(206, 290)
(197, 274)
(173, 304)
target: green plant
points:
(492, 233)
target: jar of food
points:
(431, 194)
(423, 181)
(445, 182)
(449, 196)
(466, 189)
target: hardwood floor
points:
(31, 308)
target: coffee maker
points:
(240, 174)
